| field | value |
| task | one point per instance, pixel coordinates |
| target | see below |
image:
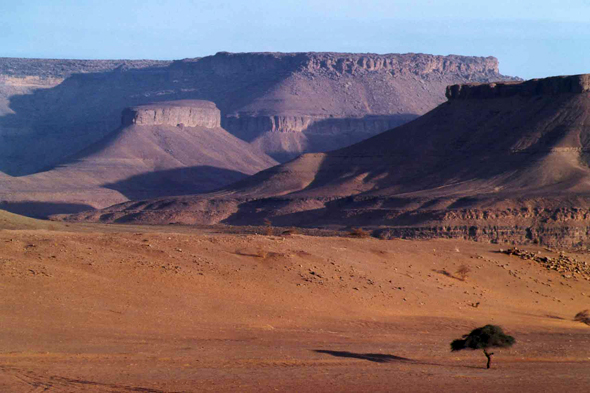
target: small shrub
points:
(268, 231)
(359, 233)
(583, 316)
(463, 272)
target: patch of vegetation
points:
(488, 336)
(359, 233)
(462, 272)
(583, 316)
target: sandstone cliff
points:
(573, 84)
(189, 113)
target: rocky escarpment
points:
(573, 84)
(372, 124)
(185, 113)
(471, 67)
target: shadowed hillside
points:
(284, 104)
(496, 162)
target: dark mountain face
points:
(497, 161)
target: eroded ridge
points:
(574, 84)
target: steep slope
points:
(283, 103)
(496, 162)
(166, 149)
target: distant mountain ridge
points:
(283, 103)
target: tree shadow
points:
(447, 274)
(371, 357)
(388, 358)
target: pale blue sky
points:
(530, 38)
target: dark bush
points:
(488, 336)
(583, 316)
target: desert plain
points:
(123, 308)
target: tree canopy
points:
(488, 336)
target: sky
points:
(531, 39)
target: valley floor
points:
(169, 309)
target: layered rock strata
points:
(189, 113)
(574, 84)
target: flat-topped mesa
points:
(187, 113)
(573, 84)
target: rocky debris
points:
(315, 63)
(567, 266)
(487, 230)
(182, 113)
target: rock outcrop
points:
(574, 84)
(186, 113)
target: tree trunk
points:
(489, 356)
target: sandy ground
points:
(91, 308)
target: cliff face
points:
(248, 127)
(573, 84)
(187, 113)
(227, 64)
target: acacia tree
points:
(488, 336)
